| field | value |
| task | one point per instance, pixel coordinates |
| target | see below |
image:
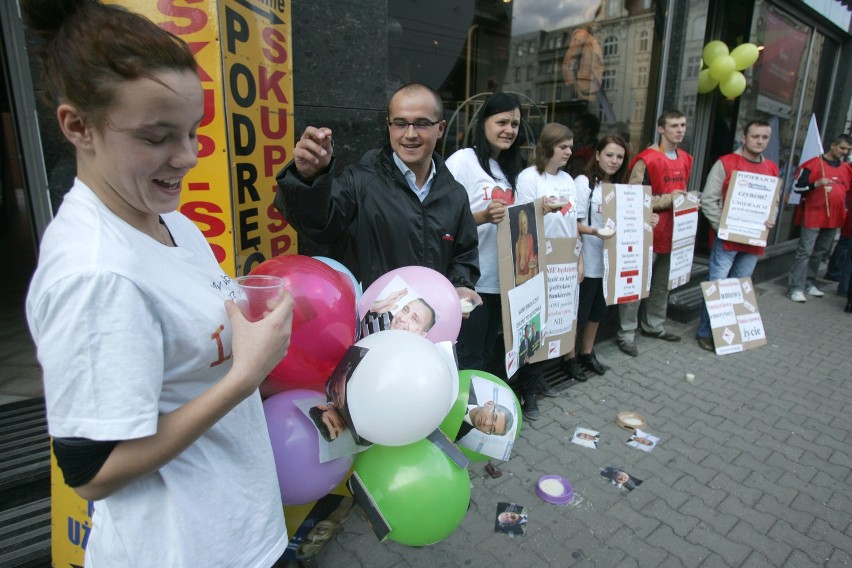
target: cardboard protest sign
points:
(563, 295)
(734, 317)
(751, 200)
(626, 209)
(683, 239)
(523, 258)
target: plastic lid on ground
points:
(554, 489)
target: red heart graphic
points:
(565, 210)
(505, 195)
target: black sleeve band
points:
(80, 459)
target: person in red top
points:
(729, 259)
(666, 169)
(823, 182)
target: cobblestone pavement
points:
(753, 466)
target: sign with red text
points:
(734, 317)
(751, 201)
(683, 238)
(626, 210)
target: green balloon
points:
(713, 50)
(451, 424)
(722, 67)
(733, 85)
(421, 493)
(706, 83)
(745, 55)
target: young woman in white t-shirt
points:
(547, 179)
(609, 165)
(150, 372)
(489, 171)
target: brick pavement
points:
(753, 466)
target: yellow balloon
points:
(713, 50)
(706, 83)
(722, 67)
(745, 55)
(733, 85)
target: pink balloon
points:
(431, 286)
(322, 320)
(295, 446)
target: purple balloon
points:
(295, 445)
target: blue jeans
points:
(725, 264)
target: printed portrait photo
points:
(511, 519)
(399, 306)
(523, 229)
(490, 422)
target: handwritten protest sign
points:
(734, 317)
(626, 209)
(750, 201)
(683, 239)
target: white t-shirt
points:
(592, 245)
(128, 329)
(481, 189)
(532, 185)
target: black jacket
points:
(375, 223)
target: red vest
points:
(733, 162)
(812, 208)
(666, 176)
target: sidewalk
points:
(752, 469)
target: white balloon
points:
(398, 393)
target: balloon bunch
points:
(399, 390)
(724, 68)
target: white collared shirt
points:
(411, 178)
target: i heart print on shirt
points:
(500, 193)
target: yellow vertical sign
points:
(258, 85)
(243, 51)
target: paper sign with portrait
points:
(626, 209)
(751, 201)
(684, 228)
(490, 424)
(335, 437)
(734, 317)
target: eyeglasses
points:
(419, 125)
(493, 417)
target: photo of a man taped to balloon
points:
(336, 387)
(335, 438)
(485, 420)
(399, 306)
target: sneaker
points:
(664, 335)
(706, 343)
(546, 390)
(628, 347)
(814, 291)
(591, 363)
(798, 296)
(530, 407)
(572, 369)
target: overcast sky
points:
(533, 15)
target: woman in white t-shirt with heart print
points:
(489, 171)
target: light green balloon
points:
(733, 85)
(451, 424)
(722, 67)
(713, 50)
(421, 493)
(706, 83)
(745, 55)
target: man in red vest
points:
(666, 169)
(823, 182)
(729, 259)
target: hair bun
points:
(47, 16)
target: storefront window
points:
(588, 58)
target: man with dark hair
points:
(490, 418)
(823, 182)
(666, 168)
(399, 206)
(327, 420)
(729, 259)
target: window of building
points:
(642, 76)
(608, 82)
(644, 41)
(610, 46)
(517, 74)
(559, 93)
(693, 66)
(520, 50)
(638, 111)
(530, 72)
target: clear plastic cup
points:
(257, 295)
